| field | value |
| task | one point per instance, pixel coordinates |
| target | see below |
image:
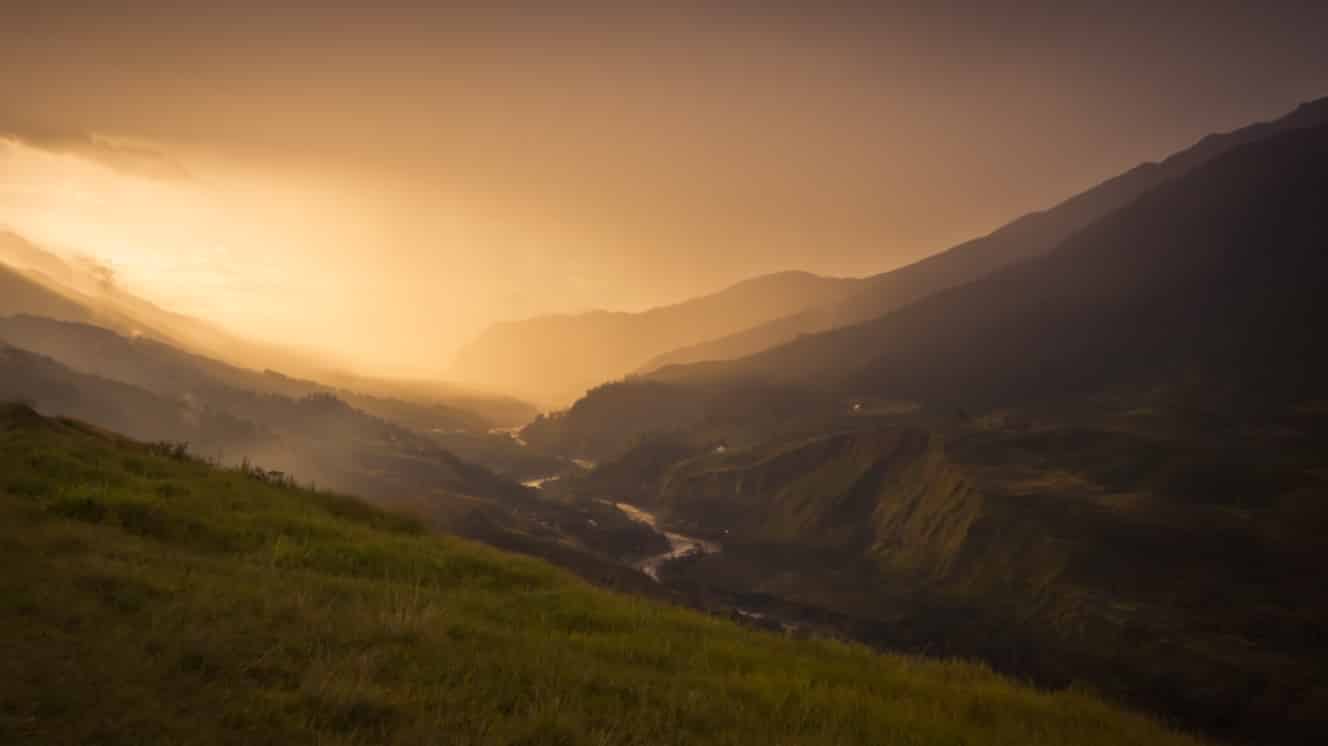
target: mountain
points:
(556, 358)
(161, 600)
(178, 375)
(1104, 464)
(395, 452)
(19, 294)
(316, 438)
(91, 294)
(36, 282)
(1214, 280)
(41, 381)
(1028, 236)
(1176, 573)
(160, 367)
(499, 409)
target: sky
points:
(384, 180)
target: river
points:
(679, 545)
(539, 483)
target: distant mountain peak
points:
(1029, 235)
(555, 358)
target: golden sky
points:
(385, 182)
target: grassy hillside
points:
(151, 599)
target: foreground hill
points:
(147, 599)
(1026, 237)
(556, 358)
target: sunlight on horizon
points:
(358, 265)
(238, 249)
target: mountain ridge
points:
(559, 356)
(1292, 165)
(1029, 235)
(37, 282)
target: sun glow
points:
(231, 247)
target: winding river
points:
(679, 545)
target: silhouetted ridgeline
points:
(1028, 236)
(556, 358)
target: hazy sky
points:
(387, 180)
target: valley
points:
(680, 546)
(1101, 467)
(657, 376)
(329, 621)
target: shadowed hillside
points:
(1175, 573)
(1212, 283)
(1103, 464)
(1029, 236)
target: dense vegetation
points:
(150, 598)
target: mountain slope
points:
(1102, 464)
(1174, 573)
(559, 357)
(313, 438)
(160, 367)
(150, 600)
(1216, 278)
(36, 282)
(18, 294)
(1029, 236)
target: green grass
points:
(146, 599)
